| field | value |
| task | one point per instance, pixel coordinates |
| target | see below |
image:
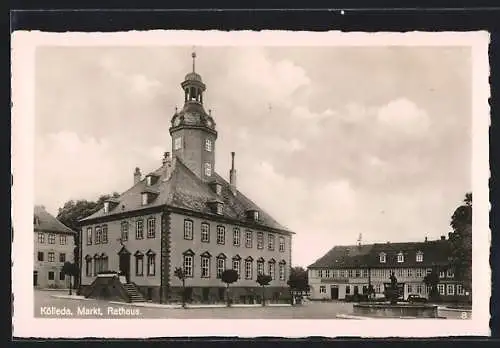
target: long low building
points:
(349, 270)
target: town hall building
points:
(184, 214)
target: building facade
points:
(54, 245)
(349, 270)
(184, 214)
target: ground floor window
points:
(378, 288)
(450, 289)
(51, 275)
(221, 266)
(35, 278)
(347, 289)
(248, 269)
(419, 289)
(236, 266)
(205, 267)
(151, 264)
(322, 289)
(460, 289)
(282, 271)
(188, 265)
(139, 264)
(410, 288)
(441, 289)
(62, 276)
(88, 267)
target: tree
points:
(71, 270)
(179, 273)
(229, 276)
(431, 280)
(73, 211)
(263, 280)
(461, 242)
(298, 281)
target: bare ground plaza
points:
(47, 302)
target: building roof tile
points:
(44, 221)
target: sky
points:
(333, 142)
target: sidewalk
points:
(194, 306)
(71, 297)
(445, 308)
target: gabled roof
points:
(434, 253)
(48, 223)
(183, 189)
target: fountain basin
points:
(387, 310)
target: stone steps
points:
(133, 293)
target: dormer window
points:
(148, 180)
(109, 205)
(148, 197)
(151, 179)
(253, 215)
(382, 257)
(401, 257)
(216, 187)
(217, 207)
(420, 256)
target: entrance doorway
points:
(125, 263)
(35, 278)
(334, 292)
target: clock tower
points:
(193, 129)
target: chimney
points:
(166, 159)
(443, 237)
(426, 239)
(232, 175)
(137, 175)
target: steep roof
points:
(435, 252)
(179, 187)
(44, 221)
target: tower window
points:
(208, 169)
(178, 143)
(208, 145)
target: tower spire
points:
(194, 59)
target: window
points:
(419, 289)
(460, 290)
(139, 264)
(151, 227)
(220, 208)
(320, 273)
(270, 269)
(357, 273)
(205, 232)
(327, 273)
(208, 145)
(400, 272)
(420, 256)
(260, 240)
(221, 235)
(236, 236)
(322, 289)
(365, 273)
(256, 215)
(62, 239)
(378, 288)
(208, 169)
(139, 229)
(104, 263)
(449, 273)
(62, 257)
(248, 269)
(382, 257)
(62, 276)
(450, 289)
(248, 239)
(89, 236)
(347, 289)
(260, 267)
(441, 274)
(148, 181)
(51, 275)
(419, 272)
(52, 256)
(52, 238)
(221, 265)
(97, 234)
(270, 241)
(178, 143)
(282, 244)
(151, 264)
(410, 289)
(350, 273)
(205, 267)
(409, 272)
(282, 271)
(237, 266)
(88, 266)
(41, 237)
(124, 231)
(104, 234)
(40, 256)
(145, 197)
(441, 289)
(188, 265)
(428, 271)
(188, 229)
(401, 258)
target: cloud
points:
(404, 115)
